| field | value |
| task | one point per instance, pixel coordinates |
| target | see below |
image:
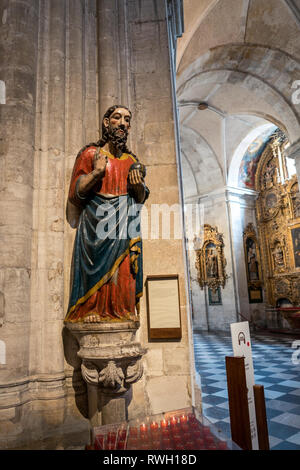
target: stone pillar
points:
(294, 152)
(48, 202)
(19, 52)
(215, 212)
(242, 212)
(113, 54)
(49, 71)
(166, 383)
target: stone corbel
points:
(111, 358)
(112, 377)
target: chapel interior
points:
(214, 89)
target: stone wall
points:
(63, 65)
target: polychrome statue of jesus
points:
(108, 187)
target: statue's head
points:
(116, 126)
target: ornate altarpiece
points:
(210, 260)
(278, 219)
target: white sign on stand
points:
(241, 345)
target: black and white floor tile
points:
(276, 367)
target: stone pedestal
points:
(111, 363)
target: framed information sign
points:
(163, 307)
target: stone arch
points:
(235, 163)
(214, 23)
(264, 71)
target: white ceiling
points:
(241, 57)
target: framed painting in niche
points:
(214, 296)
(163, 307)
(255, 294)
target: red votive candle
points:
(112, 437)
(179, 446)
(164, 424)
(212, 447)
(110, 445)
(165, 432)
(154, 426)
(133, 432)
(132, 442)
(183, 419)
(166, 443)
(199, 443)
(177, 439)
(144, 436)
(121, 445)
(99, 442)
(122, 434)
(206, 431)
(187, 436)
(189, 445)
(185, 427)
(173, 422)
(143, 428)
(197, 433)
(209, 440)
(156, 444)
(194, 424)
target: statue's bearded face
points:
(118, 126)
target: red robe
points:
(115, 300)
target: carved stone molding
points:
(111, 358)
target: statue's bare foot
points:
(92, 318)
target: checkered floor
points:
(273, 368)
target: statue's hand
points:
(137, 187)
(99, 163)
(135, 177)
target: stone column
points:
(294, 152)
(215, 212)
(166, 383)
(112, 54)
(241, 204)
(19, 52)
